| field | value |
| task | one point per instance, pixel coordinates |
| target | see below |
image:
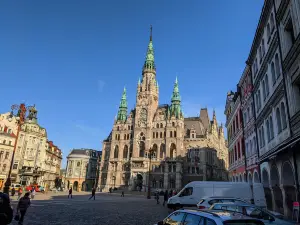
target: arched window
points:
(268, 30)
(156, 134)
(173, 124)
(125, 152)
(283, 115)
(273, 73)
(118, 128)
(164, 134)
(272, 21)
(161, 125)
(116, 152)
(157, 125)
(173, 151)
(267, 84)
(175, 134)
(271, 128)
(278, 118)
(264, 89)
(268, 131)
(154, 151)
(153, 134)
(160, 135)
(171, 134)
(116, 136)
(263, 135)
(277, 66)
(162, 151)
(125, 136)
(78, 164)
(254, 145)
(9, 131)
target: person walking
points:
(122, 194)
(157, 197)
(20, 192)
(166, 197)
(70, 192)
(13, 191)
(22, 206)
(93, 193)
(33, 193)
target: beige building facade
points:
(36, 159)
(157, 138)
(82, 169)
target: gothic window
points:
(271, 128)
(161, 125)
(78, 164)
(125, 136)
(116, 152)
(128, 127)
(125, 152)
(173, 124)
(162, 151)
(157, 125)
(164, 134)
(131, 127)
(142, 148)
(118, 128)
(171, 134)
(160, 135)
(156, 134)
(153, 134)
(175, 134)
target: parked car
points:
(198, 217)
(194, 191)
(206, 203)
(16, 186)
(253, 211)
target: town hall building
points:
(157, 140)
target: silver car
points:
(252, 211)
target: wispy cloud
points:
(100, 85)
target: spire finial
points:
(150, 32)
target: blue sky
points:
(72, 58)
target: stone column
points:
(166, 175)
(178, 176)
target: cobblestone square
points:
(108, 209)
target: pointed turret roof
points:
(149, 62)
(175, 108)
(122, 113)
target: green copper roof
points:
(175, 108)
(149, 62)
(122, 113)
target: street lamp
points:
(149, 172)
(20, 117)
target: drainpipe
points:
(287, 101)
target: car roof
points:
(237, 204)
(223, 215)
(222, 197)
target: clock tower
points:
(147, 95)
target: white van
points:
(193, 192)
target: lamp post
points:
(149, 172)
(20, 117)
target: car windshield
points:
(243, 222)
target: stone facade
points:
(157, 138)
(36, 159)
(82, 169)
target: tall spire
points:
(175, 108)
(149, 62)
(122, 113)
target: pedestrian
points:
(166, 196)
(93, 193)
(33, 193)
(110, 190)
(70, 192)
(13, 191)
(22, 206)
(6, 211)
(20, 192)
(157, 197)
(122, 194)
